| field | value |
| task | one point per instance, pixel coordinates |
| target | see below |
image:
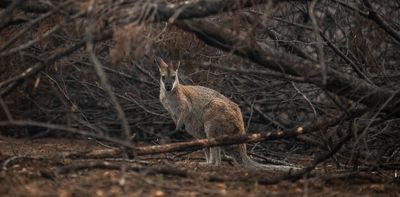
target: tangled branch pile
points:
(286, 63)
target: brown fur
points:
(206, 114)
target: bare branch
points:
(337, 82)
(13, 82)
(374, 16)
(5, 16)
(28, 6)
(321, 57)
(105, 83)
(221, 141)
(5, 109)
(56, 127)
(194, 9)
(29, 26)
(255, 72)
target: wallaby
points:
(206, 114)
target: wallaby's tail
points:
(240, 157)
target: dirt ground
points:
(41, 168)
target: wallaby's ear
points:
(160, 62)
(177, 66)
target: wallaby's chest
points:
(171, 103)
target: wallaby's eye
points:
(163, 78)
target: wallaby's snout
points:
(169, 76)
(168, 83)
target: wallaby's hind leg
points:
(225, 155)
(207, 154)
(238, 154)
(215, 152)
(215, 155)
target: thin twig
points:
(13, 82)
(321, 56)
(5, 109)
(39, 37)
(7, 13)
(31, 24)
(108, 89)
(374, 16)
(345, 58)
(255, 72)
(7, 161)
(56, 127)
(305, 98)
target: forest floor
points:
(40, 167)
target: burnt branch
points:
(185, 10)
(337, 82)
(372, 14)
(10, 84)
(221, 141)
(164, 12)
(28, 6)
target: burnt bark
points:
(337, 82)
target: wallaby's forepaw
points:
(205, 163)
(208, 162)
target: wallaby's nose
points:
(168, 87)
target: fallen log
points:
(318, 124)
(211, 142)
